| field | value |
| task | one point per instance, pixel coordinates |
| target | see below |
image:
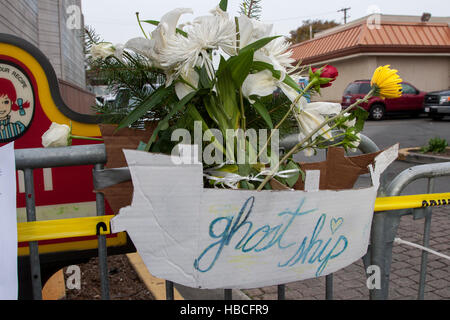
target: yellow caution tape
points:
(411, 202)
(91, 226)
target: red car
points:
(411, 101)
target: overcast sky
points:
(115, 20)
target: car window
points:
(364, 88)
(407, 89)
(352, 88)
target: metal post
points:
(102, 248)
(426, 241)
(35, 264)
(329, 287)
(282, 292)
(169, 291)
(228, 294)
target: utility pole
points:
(345, 13)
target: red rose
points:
(327, 72)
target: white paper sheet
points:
(211, 238)
(8, 224)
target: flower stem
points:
(243, 117)
(311, 134)
(140, 25)
(86, 138)
(293, 105)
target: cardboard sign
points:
(8, 224)
(216, 238)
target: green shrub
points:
(435, 145)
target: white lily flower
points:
(182, 89)
(118, 53)
(259, 84)
(217, 11)
(102, 50)
(290, 92)
(250, 30)
(275, 52)
(151, 48)
(142, 46)
(311, 115)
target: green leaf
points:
(259, 43)
(244, 169)
(240, 66)
(361, 117)
(196, 116)
(138, 112)
(291, 83)
(164, 124)
(227, 92)
(260, 66)
(216, 113)
(223, 5)
(211, 108)
(262, 111)
(156, 23)
(153, 22)
(204, 78)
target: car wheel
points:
(415, 114)
(377, 112)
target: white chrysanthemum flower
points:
(204, 35)
(277, 54)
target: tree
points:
(251, 8)
(303, 32)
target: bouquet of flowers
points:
(220, 75)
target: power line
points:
(345, 13)
(301, 17)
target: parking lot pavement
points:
(350, 283)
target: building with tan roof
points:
(419, 50)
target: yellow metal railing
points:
(63, 229)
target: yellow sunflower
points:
(386, 82)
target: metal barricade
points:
(385, 225)
(383, 231)
(110, 177)
(30, 159)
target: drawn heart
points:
(335, 224)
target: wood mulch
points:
(124, 282)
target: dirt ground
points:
(124, 283)
(446, 153)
